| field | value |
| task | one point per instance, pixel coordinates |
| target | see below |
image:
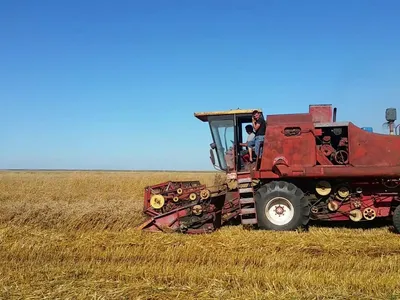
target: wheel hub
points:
(279, 211)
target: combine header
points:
(309, 167)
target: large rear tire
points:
(396, 219)
(281, 206)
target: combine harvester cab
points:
(310, 167)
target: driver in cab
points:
(250, 137)
(259, 126)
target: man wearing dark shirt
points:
(259, 128)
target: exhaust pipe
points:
(334, 114)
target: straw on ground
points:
(70, 235)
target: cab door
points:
(241, 137)
(223, 133)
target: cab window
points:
(224, 136)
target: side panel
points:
(373, 149)
(292, 142)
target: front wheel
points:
(281, 206)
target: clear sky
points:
(114, 84)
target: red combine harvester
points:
(311, 168)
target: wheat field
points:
(70, 235)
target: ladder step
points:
(249, 221)
(244, 180)
(247, 211)
(246, 200)
(246, 190)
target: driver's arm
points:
(256, 125)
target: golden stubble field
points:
(70, 235)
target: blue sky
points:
(114, 84)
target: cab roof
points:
(203, 116)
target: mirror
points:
(212, 157)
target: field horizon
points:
(105, 170)
(71, 234)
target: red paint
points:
(370, 154)
(321, 113)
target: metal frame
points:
(299, 151)
(239, 133)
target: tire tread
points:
(290, 191)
